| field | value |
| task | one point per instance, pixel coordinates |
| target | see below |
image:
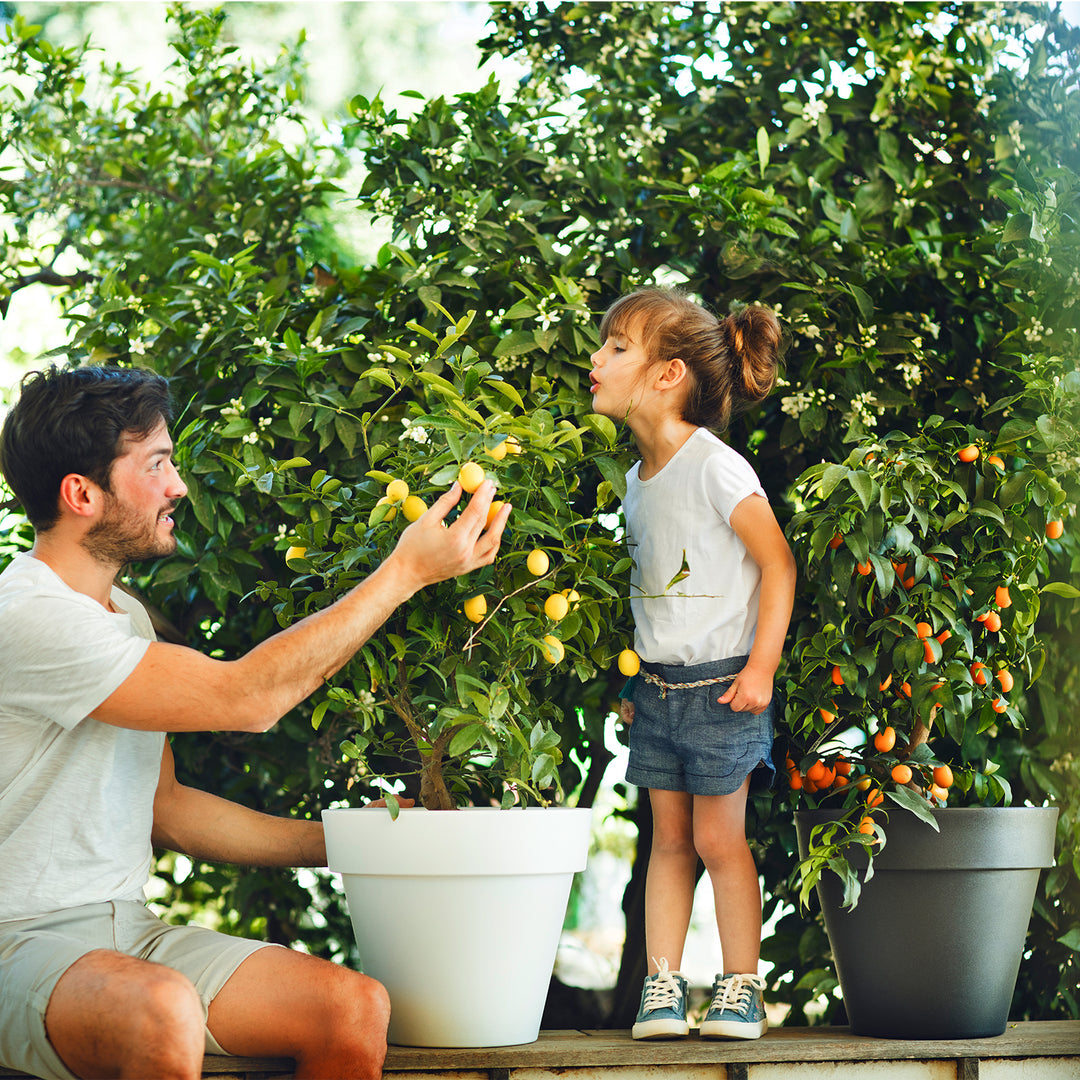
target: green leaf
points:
(683, 572)
(866, 305)
(318, 713)
(612, 472)
(1061, 588)
(465, 739)
(849, 232)
(850, 878)
(500, 701)
(516, 343)
(603, 426)
(864, 488)
(1018, 227)
(443, 386)
(380, 375)
(415, 326)
(762, 150)
(831, 478)
(543, 770)
(506, 390)
(780, 227)
(985, 508)
(905, 797)
(1071, 940)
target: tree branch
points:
(43, 277)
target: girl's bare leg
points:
(669, 887)
(719, 837)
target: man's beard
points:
(120, 538)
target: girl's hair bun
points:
(754, 337)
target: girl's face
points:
(618, 377)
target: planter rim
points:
(970, 837)
(522, 840)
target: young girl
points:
(713, 586)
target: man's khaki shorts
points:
(34, 953)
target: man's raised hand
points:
(430, 551)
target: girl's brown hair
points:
(732, 362)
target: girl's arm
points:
(756, 526)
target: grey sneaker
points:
(662, 1014)
(737, 1011)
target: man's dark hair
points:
(72, 420)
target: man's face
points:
(137, 522)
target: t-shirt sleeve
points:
(60, 658)
(730, 478)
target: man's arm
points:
(205, 826)
(174, 688)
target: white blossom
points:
(796, 404)
(417, 432)
(911, 373)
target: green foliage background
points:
(899, 181)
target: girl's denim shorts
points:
(687, 741)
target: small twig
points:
(480, 626)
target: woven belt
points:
(649, 677)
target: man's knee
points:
(110, 1014)
(358, 1002)
(165, 998)
(356, 1014)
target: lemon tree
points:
(452, 699)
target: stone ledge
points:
(1049, 1050)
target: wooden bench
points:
(1040, 1050)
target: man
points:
(91, 983)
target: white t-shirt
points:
(710, 614)
(76, 795)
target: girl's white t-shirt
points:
(76, 795)
(682, 514)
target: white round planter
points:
(458, 913)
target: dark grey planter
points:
(933, 948)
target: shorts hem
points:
(643, 778)
(695, 785)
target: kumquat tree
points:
(900, 182)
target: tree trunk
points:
(634, 964)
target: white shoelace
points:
(662, 991)
(736, 992)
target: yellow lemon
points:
(552, 649)
(512, 445)
(392, 512)
(475, 607)
(498, 451)
(413, 507)
(538, 562)
(471, 476)
(556, 606)
(493, 510)
(573, 597)
(295, 552)
(397, 491)
(629, 662)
